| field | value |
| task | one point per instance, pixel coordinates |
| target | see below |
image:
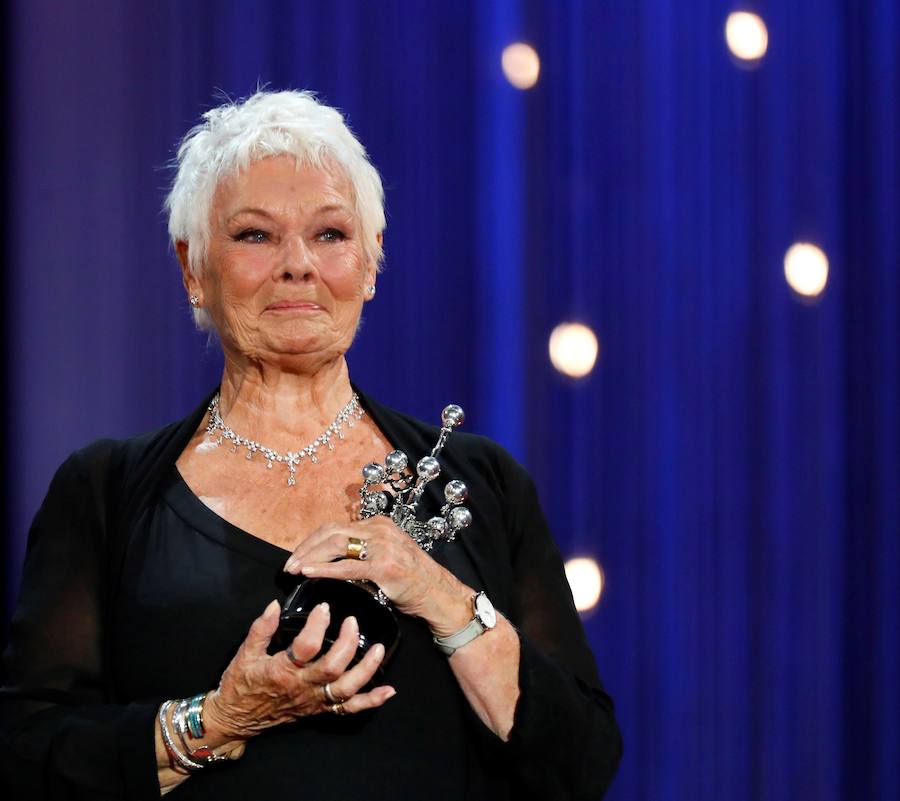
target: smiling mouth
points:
(294, 306)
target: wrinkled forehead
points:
(281, 183)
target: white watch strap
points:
(466, 634)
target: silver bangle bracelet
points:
(178, 720)
(183, 761)
(203, 753)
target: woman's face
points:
(286, 271)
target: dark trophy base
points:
(377, 622)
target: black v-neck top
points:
(188, 563)
(134, 592)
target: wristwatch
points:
(485, 618)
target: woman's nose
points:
(297, 262)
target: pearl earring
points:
(370, 291)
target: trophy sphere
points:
(460, 517)
(376, 502)
(373, 473)
(456, 491)
(428, 468)
(453, 416)
(438, 525)
(395, 462)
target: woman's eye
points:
(252, 235)
(332, 235)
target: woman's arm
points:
(487, 669)
(565, 742)
(61, 735)
(534, 684)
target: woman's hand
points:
(414, 582)
(487, 668)
(258, 691)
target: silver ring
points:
(331, 697)
(290, 655)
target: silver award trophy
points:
(389, 489)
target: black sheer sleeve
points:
(565, 743)
(63, 735)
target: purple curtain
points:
(734, 460)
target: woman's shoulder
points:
(97, 463)
(111, 453)
(130, 461)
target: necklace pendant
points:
(351, 412)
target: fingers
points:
(369, 700)
(308, 641)
(331, 669)
(326, 548)
(333, 664)
(359, 675)
(329, 541)
(344, 569)
(348, 685)
(314, 542)
(261, 630)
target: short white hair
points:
(237, 133)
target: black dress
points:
(135, 592)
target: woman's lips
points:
(293, 305)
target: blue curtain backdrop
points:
(734, 460)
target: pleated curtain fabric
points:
(733, 461)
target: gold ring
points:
(357, 549)
(338, 709)
(331, 697)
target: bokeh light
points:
(521, 65)
(746, 35)
(806, 269)
(573, 349)
(586, 580)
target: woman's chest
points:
(289, 515)
(190, 586)
(263, 503)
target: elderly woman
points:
(141, 659)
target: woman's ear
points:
(191, 284)
(372, 266)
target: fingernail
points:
(291, 564)
(353, 621)
(272, 607)
(308, 571)
(390, 693)
(378, 648)
(324, 607)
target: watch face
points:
(485, 611)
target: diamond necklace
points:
(349, 415)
